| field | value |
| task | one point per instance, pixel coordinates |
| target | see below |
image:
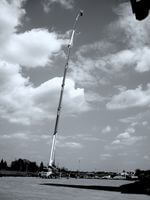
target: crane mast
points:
(52, 153)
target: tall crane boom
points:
(52, 153)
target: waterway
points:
(29, 188)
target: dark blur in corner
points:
(140, 8)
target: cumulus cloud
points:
(116, 142)
(32, 48)
(74, 101)
(130, 98)
(107, 129)
(135, 36)
(81, 72)
(22, 103)
(139, 119)
(127, 138)
(90, 67)
(67, 4)
(136, 58)
(124, 135)
(131, 130)
(144, 123)
(11, 15)
(136, 33)
(132, 45)
(129, 47)
(15, 94)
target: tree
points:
(41, 166)
(138, 172)
(3, 164)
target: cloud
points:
(144, 123)
(21, 136)
(135, 40)
(79, 137)
(147, 157)
(88, 69)
(87, 64)
(96, 63)
(136, 33)
(124, 135)
(116, 142)
(67, 4)
(20, 102)
(81, 72)
(10, 18)
(127, 46)
(44, 136)
(73, 101)
(130, 98)
(136, 58)
(143, 60)
(127, 138)
(132, 48)
(107, 129)
(131, 130)
(140, 119)
(105, 156)
(32, 48)
(72, 145)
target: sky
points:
(104, 123)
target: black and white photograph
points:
(74, 99)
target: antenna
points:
(52, 154)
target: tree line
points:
(24, 165)
(21, 165)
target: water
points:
(26, 188)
